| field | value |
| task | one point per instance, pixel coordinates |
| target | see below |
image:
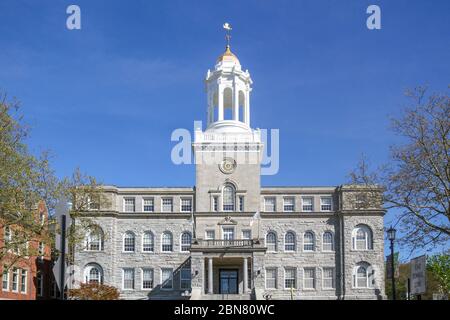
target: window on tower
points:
(228, 197)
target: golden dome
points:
(227, 56)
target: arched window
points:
(289, 241)
(363, 276)
(362, 238)
(308, 241)
(271, 241)
(228, 197)
(94, 240)
(167, 242)
(148, 243)
(185, 242)
(228, 104)
(129, 242)
(93, 273)
(328, 241)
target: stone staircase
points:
(226, 297)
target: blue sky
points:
(107, 97)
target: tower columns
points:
(220, 103)
(235, 102)
(247, 108)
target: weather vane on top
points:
(227, 27)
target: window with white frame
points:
(228, 233)
(15, 280)
(326, 203)
(309, 278)
(94, 241)
(128, 278)
(269, 204)
(228, 197)
(307, 204)
(148, 205)
(185, 278)
(186, 204)
(362, 238)
(210, 234)
(93, 274)
(166, 278)
(23, 281)
(363, 276)
(216, 203)
(167, 204)
(7, 235)
(328, 275)
(39, 284)
(129, 204)
(289, 241)
(271, 241)
(241, 203)
(41, 249)
(5, 279)
(290, 278)
(308, 241)
(129, 242)
(289, 204)
(148, 242)
(147, 278)
(327, 241)
(246, 234)
(42, 218)
(185, 242)
(167, 242)
(271, 278)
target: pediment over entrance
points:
(227, 221)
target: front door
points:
(228, 283)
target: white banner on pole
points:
(418, 275)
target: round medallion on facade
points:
(228, 165)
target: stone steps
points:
(226, 297)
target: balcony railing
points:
(224, 243)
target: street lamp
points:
(391, 236)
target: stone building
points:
(230, 237)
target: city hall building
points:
(228, 237)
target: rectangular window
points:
(290, 278)
(288, 204)
(147, 278)
(307, 204)
(246, 234)
(185, 278)
(167, 204)
(210, 234)
(128, 278)
(241, 203)
(167, 278)
(186, 205)
(15, 280)
(215, 203)
(328, 278)
(271, 278)
(309, 279)
(149, 205)
(228, 233)
(269, 204)
(129, 204)
(5, 279)
(23, 281)
(40, 284)
(326, 203)
(41, 249)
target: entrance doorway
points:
(228, 281)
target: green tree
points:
(439, 266)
